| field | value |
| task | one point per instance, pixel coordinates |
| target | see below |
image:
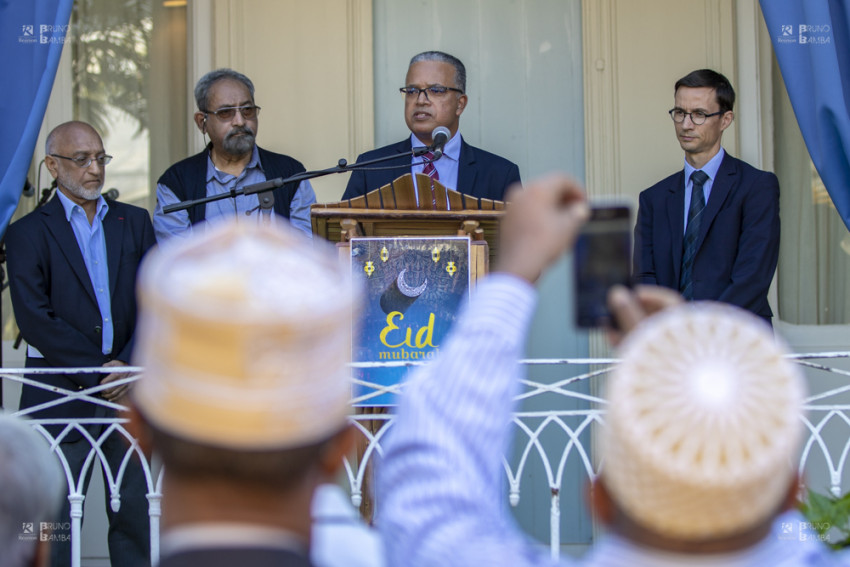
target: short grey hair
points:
(460, 70)
(205, 83)
(32, 488)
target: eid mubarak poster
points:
(413, 289)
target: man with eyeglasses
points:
(435, 95)
(231, 160)
(710, 231)
(72, 274)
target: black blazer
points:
(738, 244)
(54, 302)
(479, 174)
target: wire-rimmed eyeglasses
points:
(85, 161)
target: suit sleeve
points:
(148, 240)
(356, 183)
(644, 261)
(30, 274)
(758, 245)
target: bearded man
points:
(72, 273)
(231, 160)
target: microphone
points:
(111, 194)
(440, 135)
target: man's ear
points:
(461, 104)
(726, 119)
(41, 557)
(337, 448)
(201, 121)
(792, 498)
(600, 501)
(139, 429)
(52, 166)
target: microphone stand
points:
(267, 201)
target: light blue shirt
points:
(242, 207)
(447, 165)
(709, 169)
(92, 243)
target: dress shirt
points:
(218, 182)
(92, 243)
(709, 169)
(227, 535)
(440, 483)
(339, 536)
(446, 165)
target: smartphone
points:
(602, 259)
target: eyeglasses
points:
(437, 91)
(85, 161)
(697, 116)
(228, 112)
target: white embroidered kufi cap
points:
(245, 334)
(703, 424)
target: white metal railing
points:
(823, 458)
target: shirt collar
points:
(69, 206)
(450, 150)
(225, 534)
(213, 172)
(709, 168)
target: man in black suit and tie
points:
(435, 95)
(710, 231)
(72, 273)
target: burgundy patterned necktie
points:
(430, 170)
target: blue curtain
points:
(32, 34)
(811, 39)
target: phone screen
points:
(602, 259)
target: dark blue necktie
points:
(689, 245)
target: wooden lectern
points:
(393, 210)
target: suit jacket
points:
(54, 302)
(738, 243)
(480, 174)
(230, 557)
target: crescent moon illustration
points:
(400, 295)
(404, 288)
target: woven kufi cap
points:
(245, 334)
(703, 424)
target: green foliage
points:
(111, 59)
(830, 516)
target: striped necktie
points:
(430, 169)
(689, 248)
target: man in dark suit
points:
(435, 95)
(720, 241)
(72, 273)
